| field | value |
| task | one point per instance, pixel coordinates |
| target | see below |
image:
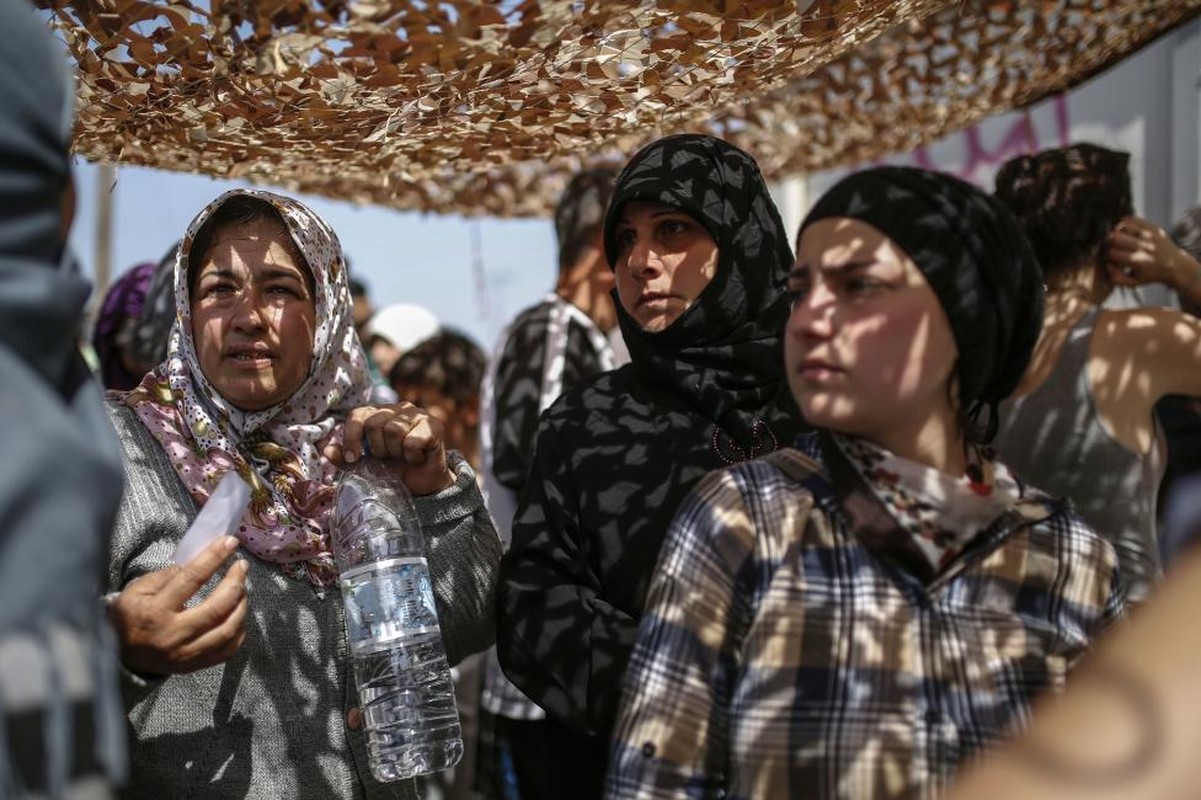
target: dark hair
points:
(448, 361)
(1186, 233)
(1067, 201)
(973, 255)
(242, 210)
(581, 211)
(357, 287)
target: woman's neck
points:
(1082, 284)
(937, 443)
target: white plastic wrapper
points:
(218, 517)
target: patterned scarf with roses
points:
(277, 450)
(941, 513)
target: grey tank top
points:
(1053, 439)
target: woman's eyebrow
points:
(802, 270)
(846, 266)
(280, 272)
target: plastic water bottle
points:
(404, 681)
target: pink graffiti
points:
(1020, 138)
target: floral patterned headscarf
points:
(276, 450)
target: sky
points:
(402, 256)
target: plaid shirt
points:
(780, 657)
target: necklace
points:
(744, 454)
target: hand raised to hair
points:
(403, 432)
(159, 636)
(1139, 251)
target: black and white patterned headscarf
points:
(976, 259)
(724, 352)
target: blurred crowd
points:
(732, 511)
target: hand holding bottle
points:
(401, 431)
(406, 693)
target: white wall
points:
(1146, 105)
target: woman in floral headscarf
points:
(245, 689)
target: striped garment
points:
(780, 657)
(548, 347)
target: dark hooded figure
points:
(700, 256)
(61, 732)
(149, 333)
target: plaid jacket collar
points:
(842, 495)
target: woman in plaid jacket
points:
(854, 617)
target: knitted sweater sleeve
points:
(464, 556)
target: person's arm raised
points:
(1139, 251)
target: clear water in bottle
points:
(405, 687)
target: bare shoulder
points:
(1141, 328)
(1163, 344)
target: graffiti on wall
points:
(980, 160)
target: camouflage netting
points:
(483, 107)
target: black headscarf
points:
(975, 257)
(723, 353)
(616, 454)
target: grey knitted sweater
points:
(272, 721)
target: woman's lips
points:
(812, 369)
(250, 356)
(653, 298)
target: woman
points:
(854, 617)
(699, 256)
(246, 691)
(1081, 421)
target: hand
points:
(160, 637)
(401, 431)
(1141, 252)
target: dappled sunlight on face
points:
(253, 316)
(868, 349)
(665, 259)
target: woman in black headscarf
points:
(700, 256)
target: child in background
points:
(442, 375)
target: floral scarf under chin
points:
(278, 450)
(942, 513)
